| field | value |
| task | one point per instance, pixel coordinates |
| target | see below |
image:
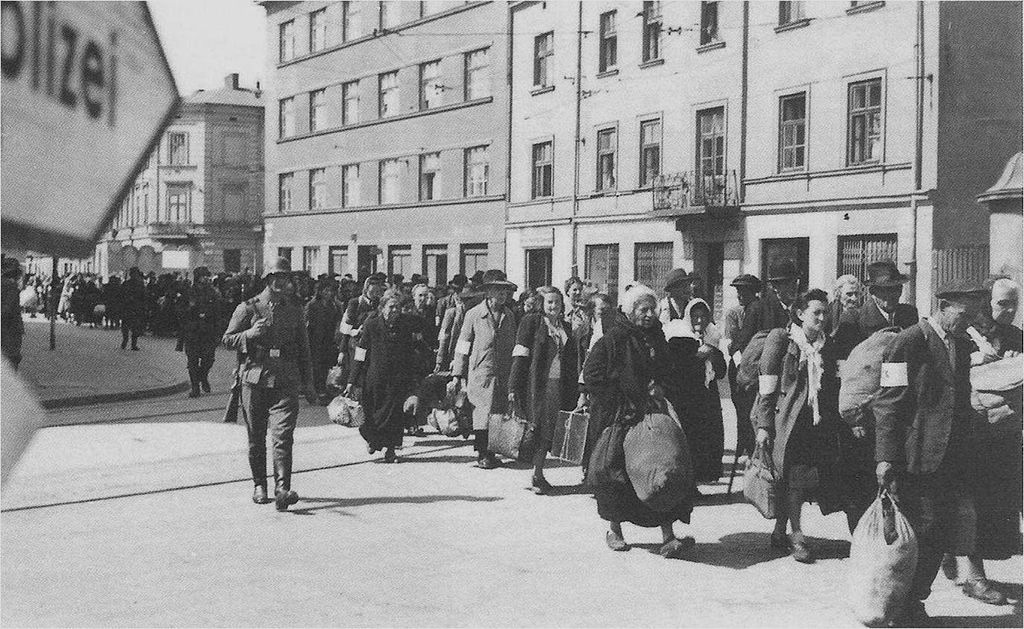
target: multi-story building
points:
(199, 199)
(718, 136)
(387, 135)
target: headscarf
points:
(683, 328)
(636, 293)
(810, 356)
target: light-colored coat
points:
(483, 356)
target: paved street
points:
(145, 519)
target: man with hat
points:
(134, 301)
(679, 287)
(198, 329)
(483, 358)
(747, 289)
(924, 432)
(12, 328)
(771, 310)
(269, 333)
(882, 309)
(322, 318)
(455, 286)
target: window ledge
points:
(491, 198)
(376, 121)
(652, 63)
(715, 45)
(543, 89)
(790, 175)
(792, 26)
(608, 73)
(864, 8)
(181, 166)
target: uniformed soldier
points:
(924, 432)
(198, 330)
(269, 332)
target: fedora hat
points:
(675, 277)
(961, 288)
(884, 274)
(496, 277)
(280, 265)
(747, 280)
(781, 270)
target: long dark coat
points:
(531, 364)
(699, 406)
(384, 364)
(778, 412)
(617, 375)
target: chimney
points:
(231, 81)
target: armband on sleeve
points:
(893, 375)
(521, 350)
(767, 384)
(360, 355)
(463, 347)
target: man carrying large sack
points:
(924, 430)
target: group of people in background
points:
(402, 348)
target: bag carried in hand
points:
(444, 421)
(607, 464)
(336, 378)
(760, 481)
(658, 461)
(346, 412)
(570, 437)
(510, 435)
(28, 298)
(883, 558)
(861, 375)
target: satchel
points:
(570, 437)
(510, 435)
(760, 481)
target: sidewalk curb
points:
(117, 396)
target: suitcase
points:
(570, 436)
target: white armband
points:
(767, 384)
(737, 358)
(893, 375)
(463, 347)
(360, 354)
(521, 350)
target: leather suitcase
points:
(570, 437)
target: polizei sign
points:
(86, 93)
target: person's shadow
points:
(744, 550)
(340, 506)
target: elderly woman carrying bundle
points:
(625, 376)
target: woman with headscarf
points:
(696, 365)
(625, 376)
(543, 377)
(794, 416)
(384, 367)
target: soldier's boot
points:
(258, 467)
(284, 497)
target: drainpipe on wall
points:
(508, 136)
(743, 101)
(918, 147)
(574, 269)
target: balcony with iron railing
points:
(690, 193)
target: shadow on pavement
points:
(744, 550)
(343, 503)
(1009, 620)
(447, 458)
(441, 442)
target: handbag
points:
(759, 482)
(510, 434)
(570, 437)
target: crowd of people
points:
(402, 349)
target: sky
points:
(205, 40)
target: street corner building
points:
(721, 136)
(387, 137)
(198, 200)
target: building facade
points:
(387, 137)
(718, 136)
(198, 202)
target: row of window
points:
(864, 142)
(432, 88)
(472, 258)
(475, 171)
(790, 12)
(651, 262)
(357, 19)
(177, 207)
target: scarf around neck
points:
(810, 356)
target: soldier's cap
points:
(960, 289)
(746, 279)
(675, 277)
(782, 270)
(280, 265)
